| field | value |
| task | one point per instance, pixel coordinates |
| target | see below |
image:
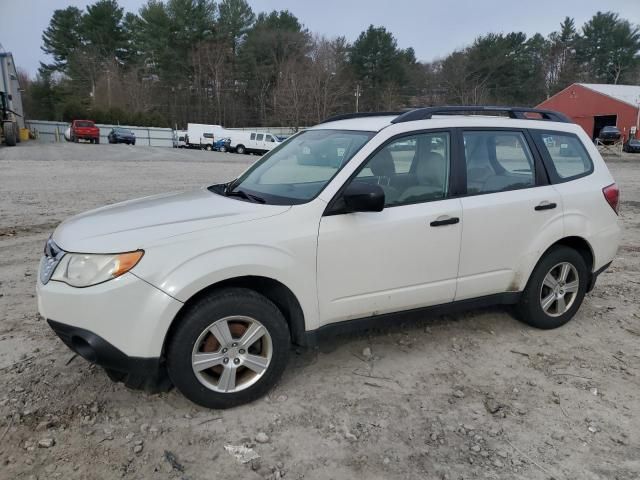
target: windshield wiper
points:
(245, 195)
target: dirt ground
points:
(473, 395)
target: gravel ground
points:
(472, 395)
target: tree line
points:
(179, 61)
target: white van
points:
(252, 142)
(200, 135)
(179, 139)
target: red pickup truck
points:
(85, 129)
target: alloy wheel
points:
(232, 354)
(559, 289)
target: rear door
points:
(510, 211)
(269, 142)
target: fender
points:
(195, 273)
(539, 245)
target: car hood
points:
(136, 224)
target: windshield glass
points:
(298, 169)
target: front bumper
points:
(142, 373)
(129, 313)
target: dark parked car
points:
(121, 135)
(632, 146)
(222, 145)
(609, 134)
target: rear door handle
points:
(444, 220)
(545, 206)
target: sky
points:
(433, 28)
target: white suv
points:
(345, 225)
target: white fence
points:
(153, 136)
(54, 132)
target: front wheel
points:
(230, 348)
(240, 149)
(555, 289)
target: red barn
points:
(593, 106)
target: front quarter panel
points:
(282, 248)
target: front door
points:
(404, 257)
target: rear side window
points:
(567, 154)
(259, 137)
(497, 161)
(253, 136)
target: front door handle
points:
(545, 206)
(444, 220)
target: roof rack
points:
(347, 116)
(513, 112)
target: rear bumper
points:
(136, 372)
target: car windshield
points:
(297, 170)
(84, 123)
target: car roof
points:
(370, 124)
(377, 123)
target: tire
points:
(10, 134)
(208, 148)
(240, 149)
(114, 375)
(530, 307)
(223, 149)
(193, 337)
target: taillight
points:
(612, 195)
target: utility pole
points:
(357, 95)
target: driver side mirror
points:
(363, 197)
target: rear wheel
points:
(230, 348)
(10, 134)
(555, 290)
(208, 148)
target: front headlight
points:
(86, 269)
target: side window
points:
(207, 135)
(253, 136)
(259, 137)
(497, 161)
(411, 169)
(569, 157)
(268, 138)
